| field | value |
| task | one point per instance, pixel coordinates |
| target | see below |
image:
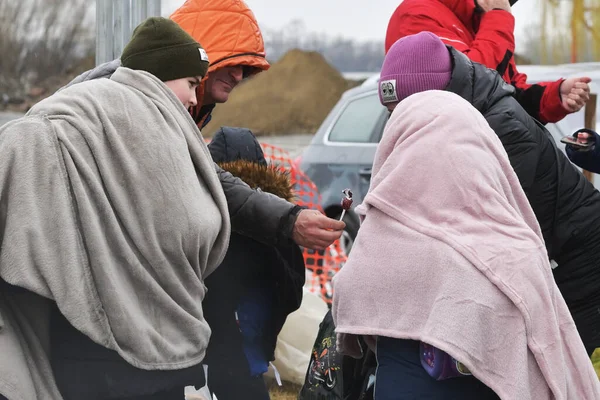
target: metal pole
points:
(154, 8)
(139, 10)
(120, 25)
(127, 28)
(115, 22)
(590, 123)
(103, 31)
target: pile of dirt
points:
(293, 96)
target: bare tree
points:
(41, 39)
(345, 54)
(556, 48)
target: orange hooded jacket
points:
(229, 32)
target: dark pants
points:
(400, 376)
(110, 380)
(86, 370)
(175, 394)
(234, 387)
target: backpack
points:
(333, 376)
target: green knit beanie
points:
(161, 47)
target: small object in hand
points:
(580, 143)
(346, 202)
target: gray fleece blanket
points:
(109, 206)
(101, 71)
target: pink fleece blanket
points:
(449, 252)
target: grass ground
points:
(288, 391)
(596, 361)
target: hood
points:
(228, 31)
(238, 151)
(480, 86)
(104, 70)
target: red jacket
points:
(485, 38)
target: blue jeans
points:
(400, 376)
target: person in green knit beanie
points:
(121, 214)
(136, 219)
(159, 46)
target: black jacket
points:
(278, 270)
(565, 203)
(259, 215)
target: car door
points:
(345, 158)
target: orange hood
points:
(228, 31)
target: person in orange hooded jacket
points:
(484, 31)
(236, 50)
(234, 45)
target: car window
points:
(360, 121)
(380, 126)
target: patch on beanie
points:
(203, 54)
(387, 90)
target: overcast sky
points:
(357, 19)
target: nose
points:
(193, 100)
(237, 73)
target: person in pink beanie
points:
(449, 254)
(414, 64)
(567, 205)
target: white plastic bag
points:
(203, 393)
(296, 340)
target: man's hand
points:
(488, 5)
(574, 93)
(316, 231)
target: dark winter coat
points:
(565, 203)
(279, 270)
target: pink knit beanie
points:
(415, 63)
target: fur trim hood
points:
(237, 151)
(267, 178)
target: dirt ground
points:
(288, 391)
(293, 96)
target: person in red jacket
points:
(483, 30)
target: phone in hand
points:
(578, 144)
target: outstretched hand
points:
(316, 231)
(574, 93)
